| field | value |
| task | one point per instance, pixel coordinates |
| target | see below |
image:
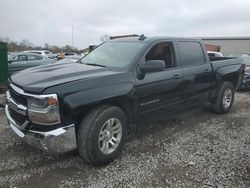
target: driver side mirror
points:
(150, 66)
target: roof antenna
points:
(142, 37)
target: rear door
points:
(197, 71)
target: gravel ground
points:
(2, 100)
(195, 149)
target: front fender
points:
(79, 101)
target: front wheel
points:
(102, 134)
(224, 99)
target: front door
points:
(160, 89)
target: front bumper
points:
(60, 140)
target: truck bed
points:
(224, 62)
(219, 58)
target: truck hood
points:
(37, 79)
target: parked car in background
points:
(54, 56)
(246, 79)
(63, 55)
(22, 61)
(214, 54)
(70, 54)
(238, 55)
(45, 53)
(69, 60)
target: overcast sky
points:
(51, 21)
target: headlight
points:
(44, 109)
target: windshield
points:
(113, 54)
(10, 56)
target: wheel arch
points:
(127, 104)
(231, 77)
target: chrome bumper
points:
(59, 140)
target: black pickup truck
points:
(92, 104)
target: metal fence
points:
(3, 64)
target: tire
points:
(102, 130)
(225, 98)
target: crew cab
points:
(91, 105)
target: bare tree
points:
(27, 45)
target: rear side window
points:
(31, 57)
(34, 57)
(191, 53)
(39, 57)
(22, 58)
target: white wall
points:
(231, 46)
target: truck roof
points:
(151, 39)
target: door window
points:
(20, 58)
(191, 53)
(34, 57)
(162, 51)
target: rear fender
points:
(232, 73)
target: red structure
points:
(211, 47)
(122, 36)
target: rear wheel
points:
(102, 134)
(225, 98)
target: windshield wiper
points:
(93, 64)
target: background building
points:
(230, 45)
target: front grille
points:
(19, 118)
(19, 99)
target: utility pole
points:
(72, 36)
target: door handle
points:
(176, 76)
